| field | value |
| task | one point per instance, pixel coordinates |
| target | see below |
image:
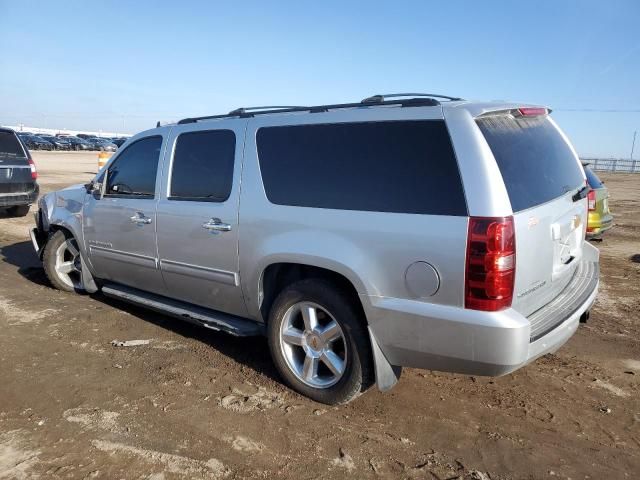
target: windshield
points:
(536, 163)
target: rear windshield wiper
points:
(580, 194)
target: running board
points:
(214, 320)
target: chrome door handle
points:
(140, 219)
(216, 224)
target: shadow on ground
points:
(23, 256)
(250, 351)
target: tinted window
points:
(133, 173)
(536, 163)
(403, 167)
(203, 166)
(10, 146)
(592, 178)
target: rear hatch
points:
(545, 183)
(15, 170)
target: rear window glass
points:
(203, 166)
(592, 178)
(399, 166)
(10, 146)
(537, 165)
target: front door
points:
(120, 224)
(198, 216)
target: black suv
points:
(18, 186)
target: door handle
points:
(215, 224)
(140, 219)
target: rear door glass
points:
(203, 166)
(536, 163)
(11, 151)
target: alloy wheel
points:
(313, 345)
(68, 263)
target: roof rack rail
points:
(244, 110)
(428, 100)
(382, 98)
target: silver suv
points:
(404, 230)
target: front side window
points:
(133, 173)
(203, 166)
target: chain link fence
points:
(613, 164)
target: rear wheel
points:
(62, 262)
(318, 343)
(19, 211)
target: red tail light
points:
(491, 263)
(34, 170)
(591, 197)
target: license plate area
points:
(567, 235)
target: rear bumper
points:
(15, 199)
(421, 335)
(598, 224)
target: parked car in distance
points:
(59, 143)
(84, 136)
(78, 143)
(102, 144)
(18, 175)
(600, 218)
(427, 232)
(119, 141)
(34, 142)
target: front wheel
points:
(62, 262)
(319, 344)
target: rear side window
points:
(592, 178)
(399, 166)
(133, 173)
(203, 166)
(10, 147)
(536, 163)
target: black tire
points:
(358, 375)
(49, 261)
(19, 210)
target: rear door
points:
(198, 215)
(15, 171)
(542, 175)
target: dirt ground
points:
(197, 404)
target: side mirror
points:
(94, 188)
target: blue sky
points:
(124, 65)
